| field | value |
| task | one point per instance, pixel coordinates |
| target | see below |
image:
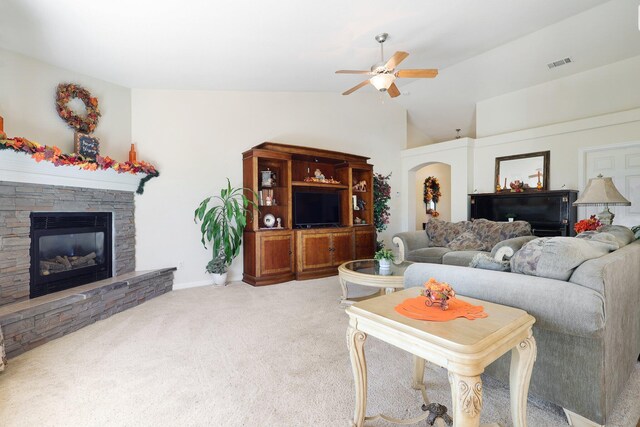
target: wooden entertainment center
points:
(279, 254)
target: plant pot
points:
(219, 279)
(510, 219)
(384, 264)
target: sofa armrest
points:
(410, 241)
(512, 246)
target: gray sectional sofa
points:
(587, 327)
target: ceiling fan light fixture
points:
(382, 82)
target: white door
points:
(622, 164)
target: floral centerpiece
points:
(590, 224)
(431, 193)
(437, 293)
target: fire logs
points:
(66, 263)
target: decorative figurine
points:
(360, 186)
(318, 174)
(437, 293)
(517, 186)
(279, 221)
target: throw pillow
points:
(467, 241)
(492, 232)
(557, 257)
(623, 235)
(487, 262)
(440, 233)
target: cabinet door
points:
(342, 247)
(316, 251)
(365, 243)
(276, 253)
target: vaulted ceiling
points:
(482, 48)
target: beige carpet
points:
(234, 356)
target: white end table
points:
(464, 347)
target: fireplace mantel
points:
(18, 167)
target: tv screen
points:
(313, 208)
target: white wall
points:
(563, 140)
(196, 139)
(443, 173)
(27, 103)
(607, 89)
(458, 154)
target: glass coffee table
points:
(367, 272)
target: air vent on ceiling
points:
(559, 62)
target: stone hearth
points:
(26, 187)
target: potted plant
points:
(510, 217)
(385, 258)
(222, 225)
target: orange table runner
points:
(415, 308)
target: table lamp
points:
(601, 191)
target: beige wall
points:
(443, 173)
(196, 139)
(27, 103)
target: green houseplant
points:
(223, 219)
(385, 258)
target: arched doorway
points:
(442, 171)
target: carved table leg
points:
(343, 285)
(355, 341)
(522, 357)
(418, 373)
(466, 398)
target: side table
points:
(464, 347)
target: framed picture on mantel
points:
(86, 145)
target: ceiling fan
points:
(384, 74)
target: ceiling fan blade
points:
(417, 74)
(393, 90)
(397, 58)
(353, 72)
(355, 88)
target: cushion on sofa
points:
(432, 255)
(584, 317)
(466, 241)
(492, 232)
(442, 232)
(461, 258)
(623, 235)
(558, 257)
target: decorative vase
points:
(132, 154)
(510, 219)
(219, 279)
(385, 264)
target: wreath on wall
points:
(431, 193)
(65, 92)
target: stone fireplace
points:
(67, 250)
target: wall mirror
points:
(524, 169)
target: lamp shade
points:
(601, 191)
(382, 81)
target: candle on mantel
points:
(1, 124)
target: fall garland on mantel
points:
(54, 155)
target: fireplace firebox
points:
(69, 249)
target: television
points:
(313, 209)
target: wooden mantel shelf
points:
(18, 167)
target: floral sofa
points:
(457, 243)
